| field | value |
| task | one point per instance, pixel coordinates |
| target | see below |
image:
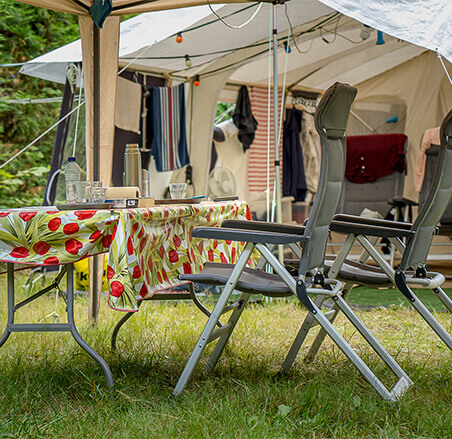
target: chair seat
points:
(251, 281)
(359, 272)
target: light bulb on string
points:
(179, 37)
(196, 81)
(188, 61)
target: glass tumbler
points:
(178, 190)
(83, 189)
(98, 195)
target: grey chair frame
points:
(310, 241)
(412, 240)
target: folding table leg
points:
(51, 327)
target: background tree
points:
(25, 33)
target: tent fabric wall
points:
(109, 42)
(423, 85)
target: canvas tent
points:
(330, 49)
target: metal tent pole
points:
(96, 156)
(276, 119)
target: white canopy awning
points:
(425, 23)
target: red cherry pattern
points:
(27, 216)
(73, 246)
(41, 248)
(70, 228)
(53, 224)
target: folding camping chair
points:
(331, 120)
(417, 236)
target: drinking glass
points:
(98, 195)
(178, 190)
(83, 189)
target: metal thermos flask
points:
(132, 165)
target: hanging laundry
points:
(167, 112)
(294, 182)
(243, 118)
(374, 156)
(430, 137)
(310, 144)
(128, 105)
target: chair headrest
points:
(333, 110)
(446, 131)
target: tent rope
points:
(78, 112)
(444, 67)
(40, 136)
(240, 25)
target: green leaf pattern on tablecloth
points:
(54, 237)
(159, 247)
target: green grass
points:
(50, 388)
(392, 297)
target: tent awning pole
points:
(96, 161)
(276, 120)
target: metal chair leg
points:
(207, 334)
(232, 322)
(443, 297)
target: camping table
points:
(152, 246)
(148, 248)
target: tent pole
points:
(276, 128)
(96, 160)
(276, 119)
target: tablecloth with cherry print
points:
(152, 246)
(46, 236)
(148, 247)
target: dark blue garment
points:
(294, 182)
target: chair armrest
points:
(245, 235)
(264, 226)
(402, 201)
(369, 230)
(353, 219)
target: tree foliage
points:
(25, 33)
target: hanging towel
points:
(294, 182)
(169, 144)
(243, 118)
(128, 105)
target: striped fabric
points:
(257, 154)
(169, 144)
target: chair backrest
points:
(417, 248)
(363, 149)
(431, 156)
(331, 122)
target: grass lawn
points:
(393, 297)
(50, 388)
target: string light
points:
(196, 81)
(179, 37)
(188, 61)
